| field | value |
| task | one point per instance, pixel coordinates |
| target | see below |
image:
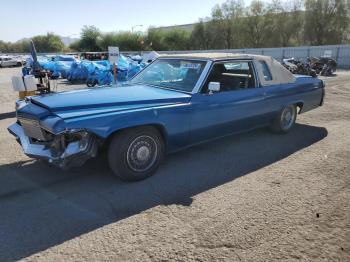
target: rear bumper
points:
(74, 154)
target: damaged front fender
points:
(65, 151)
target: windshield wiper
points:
(161, 87)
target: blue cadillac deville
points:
(175, 102)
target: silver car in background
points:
(8, 61)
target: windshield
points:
(179, 74)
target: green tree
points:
(199, 37)
(21, 46)
(174, 39)
(347, 33)
(326, 21)
(89, 38)
(287, 23)
(126, 41)
(155, 39)
(257, 25)
(48, 43)
(231, 25)
(228, 18)
(3, 47)
(177, 39)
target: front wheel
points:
(135, 154)
(285, 120)
(91, 83)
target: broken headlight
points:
(77, 135)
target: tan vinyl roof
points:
(212, 55)
(280, 75)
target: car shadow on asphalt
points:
(41, 206)
(7, 115)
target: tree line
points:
(43, 43)
(277, 23)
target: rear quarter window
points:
(266, 71)
(236, 66)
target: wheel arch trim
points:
(158, 126)
(298, 103)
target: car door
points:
(4, 62)
(13, 62)
(7, 62)
(236, 107)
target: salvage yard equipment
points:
(94, 56)
(38, 72)
(314, 66)
(324, 66)
(34, 79)
(24, 85)
(298, 67)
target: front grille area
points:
(32, 129)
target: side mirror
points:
(213, 87)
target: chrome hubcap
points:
(287, 118)
(142, 153)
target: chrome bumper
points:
(73, 155)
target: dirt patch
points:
(249, 197)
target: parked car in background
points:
(175, 102)
(7, 61)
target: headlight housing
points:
(80, 136)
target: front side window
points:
(232, 76)
(266, 71)
(178, 74)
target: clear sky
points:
(26, 18)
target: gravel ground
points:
(249, 197)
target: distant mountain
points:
(187, 27)
(68, 40)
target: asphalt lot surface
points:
(249, 197)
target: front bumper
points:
(74, 154)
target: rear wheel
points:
(285, 120)
(135, 154)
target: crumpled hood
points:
(108, 99)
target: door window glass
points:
(232, 76)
